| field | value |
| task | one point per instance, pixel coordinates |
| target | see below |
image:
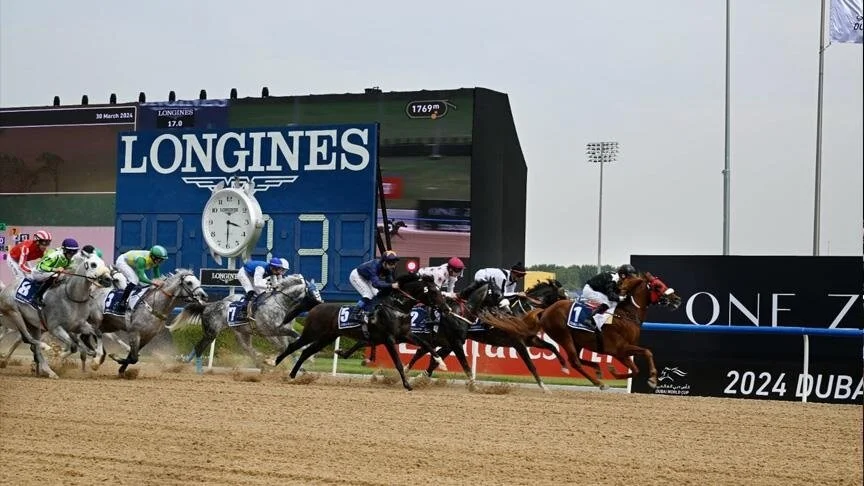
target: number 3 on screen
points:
(320, 251)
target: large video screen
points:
(424, 155)
(57, 173)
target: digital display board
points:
(315, 184)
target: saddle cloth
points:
(478, 326)
(26, 290)
(113, 298)
(579, 313)
(423, 321)
(348, 317)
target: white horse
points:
(272, 319)
(150, 314)
(65, 312)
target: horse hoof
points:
(652, 384)
(604, 386)
(566, 371)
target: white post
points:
(335, 355)
(213, 344)
(806, 369)
(817, 196)
(727, 170)
(475, 350)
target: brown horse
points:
(620, 336)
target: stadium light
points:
(142, 98)
(601, 153)
(172, 96)
(202, 95)
(85, 100)
(112, 100)
(233, 94)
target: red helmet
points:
(455, 264)
(42, 235)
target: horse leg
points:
(390, 345)
(245, 341)
(294, 346)
(34, 340)
(417, 355)
(433, 365)
(346, 353)
(309, 351)
(536, 342)
(522, 351)
(15, 345)
(463, 360)
(418, 341)
(625, 356)
(132, 357)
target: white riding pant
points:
(364, 288)
(40, 275)
(126, 270)
(17, 273)
(596, 298)
(246, 282)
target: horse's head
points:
(92, 267)
(661, 293)
(547, 292)
(422, 289)
(183, 283)
(118, 280)
(299, 290)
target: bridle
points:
(172, 297)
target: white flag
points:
(846, 21)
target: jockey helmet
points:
(627, 270)
(69, 244)
(456, 264)
(88, 250)
(42, 235)
(279, 263)
(389, 256)
(159, 251)
(518, 269)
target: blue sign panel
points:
(315, 185)
(184, 114)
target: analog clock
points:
(231, 221)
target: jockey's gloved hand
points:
(451, 295)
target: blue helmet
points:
(389, 256)
(70, 244)
(279, 263)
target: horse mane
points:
(518, 326)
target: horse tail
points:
(510, 324)
(193, 314)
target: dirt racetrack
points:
(170, 426)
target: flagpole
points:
(818, 191)
(726, 169)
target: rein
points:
(66, 287)
(163, 315)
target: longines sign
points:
(773, 291)
(219, 277)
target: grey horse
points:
(65, 312)
(98, 316)
(272, 319)
(151, 313)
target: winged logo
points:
(262, 183)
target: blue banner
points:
(315, 185)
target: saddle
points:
(424, 320)
(112, 300)
(349, 316)
(26, 291)
(242, 311)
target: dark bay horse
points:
(543, 294)
(620, 336)
(389, 323)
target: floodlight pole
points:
(600, 153)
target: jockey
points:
(502, 281)
(369, 278)
(134, 264)
(89, 250)
(27, 252)
(445, 275)
(602, 292)
(51, 265)
(255, 275)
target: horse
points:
(389, 323)
(151, 312)
(65, 311)
(619, 336)
(98, 316)
(273, 317)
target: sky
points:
(649, 75)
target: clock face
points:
(228, 222)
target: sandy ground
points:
(171, 426)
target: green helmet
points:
(158, 251)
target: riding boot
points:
(121, 306)
(250, 299)
(37, 299)
(363, 316)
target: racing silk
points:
(140, 262)
(375, 273)
(441, 275)
(54, 261)
(606, 283)
(24, 252)
(260, 271)
(497, 277)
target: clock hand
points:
(232, 223)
